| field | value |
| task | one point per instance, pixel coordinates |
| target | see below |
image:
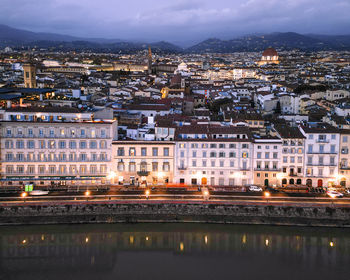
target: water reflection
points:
(163, 251)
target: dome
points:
(270, 52)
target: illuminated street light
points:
(267, 194)
(111, 175)
(205, 193)
(87, 193)
(147, 193)
(331, 244)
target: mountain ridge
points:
(19, 38)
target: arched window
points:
(309, 182)
(298, 181)
(291, 181)
(284, 181)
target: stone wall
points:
(308, 214)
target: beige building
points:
(142, 163)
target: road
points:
(184, 196)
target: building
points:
(266, 161)
(49, 146)
(344, 158)
(213, 155)
(269, 56)
(29, 72)
(292, 157)
(142, 163)
(321, 154)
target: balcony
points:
(322, 141)
(344, 167)
(320, 164)
(182, 168)
(143, 173)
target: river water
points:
(173, 251)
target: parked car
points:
(255, 189)
(347, 191)
(38, 192)
(334, 194)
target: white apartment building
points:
(321, 154)
(213, 155)
(292, 157)
(57, 147)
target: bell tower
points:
(149, 60)
(29, 72)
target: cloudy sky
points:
(176, 20)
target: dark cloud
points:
(176, 20)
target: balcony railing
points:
(143, 173)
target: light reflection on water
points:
(173, 251)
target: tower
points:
(149, 60)
(29, 72)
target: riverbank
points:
(139, 211)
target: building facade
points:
(142, 163)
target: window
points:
(182, 154)
(30, 132)
(52, 133)
(30, 144)
(213, 146)
(120, 166)
(258, 155)
(155, 152)
(232, 146)
(93, 145)
(51, 144)
(83, 157)
(132, 152)
(331, 160)
(275, 155)
(194, 154)
(62, 144)
(20, 144)
(309, 159)
(311, 136)
(292, 159)
(267, 155)
(62, 132)
(8, 144)
(232, 163)
(222, 163)
(321, 148)
(82, 144)
(232, 154)
(120, 152)
(103, 144)
(213, 163)
(72, 145)
(194, 163)
(212, 154)
(221, 154)
(332, 149)
(166, 152)
(82, 132)
(222, 146)
(166, 166)
(333, 137)
(285, 159)
(345, 139)
(103, 133)
(143, 152)
(8, 132)
(204, 163)
(245, 146)
(9, 157)
(204, 154)
(309, 148)
(154, 166)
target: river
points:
(173, 251)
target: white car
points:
(38, 192)
(334, 194)
(255, 189)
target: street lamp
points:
(111, 175)
(147, 193)
(205, 193)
